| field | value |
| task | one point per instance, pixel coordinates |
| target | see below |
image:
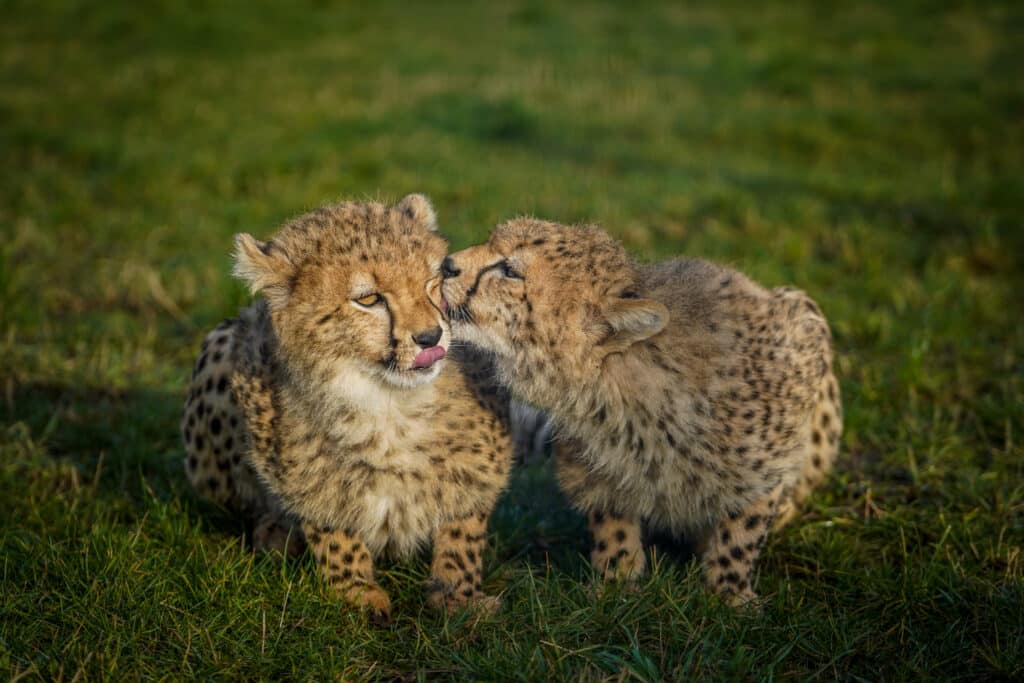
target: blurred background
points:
(867, 152)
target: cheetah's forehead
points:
(360, 233)
(545, 236)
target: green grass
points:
(871, 153)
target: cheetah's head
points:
(540, 289)
(355, 286)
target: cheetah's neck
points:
(349, 405)
(585, 402)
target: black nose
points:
(428, 338)
(448, 268)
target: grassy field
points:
(871, 153)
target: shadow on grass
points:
(122, 443)
(116, 430)
(125, 444)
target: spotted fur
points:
(684, 395)
(308, 414)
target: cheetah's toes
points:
(624, 567)
(744, 601)
(441, 597)
(618, 585)
(486, 605)
(371, 598)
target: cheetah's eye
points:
(508, 271)
(369, 300)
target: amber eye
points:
(369, 300)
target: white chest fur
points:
(387, 423)
(378, 466)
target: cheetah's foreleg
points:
(455, 573)
(346, 563)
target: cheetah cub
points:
(684, 395)
(334, 413)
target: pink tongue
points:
(427, 357)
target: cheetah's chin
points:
(408, 379)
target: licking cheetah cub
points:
(684, 395)
(329, 413)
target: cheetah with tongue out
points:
(335, 414)
(683, 395)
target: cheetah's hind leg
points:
(820, 452)
(215, 432)
(733, 546)
(212, 428)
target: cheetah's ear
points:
(630, 321)
(418, 208)
(260, 265)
